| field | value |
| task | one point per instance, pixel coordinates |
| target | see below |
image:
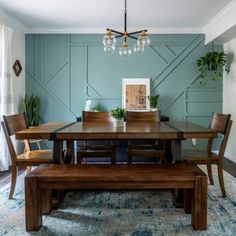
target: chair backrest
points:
(100, 116)
(219, 122)
(222, 124)
(14, 123)
(9, 143)
(143, 116)
(11, 125)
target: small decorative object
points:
(30, 105)
(153, 102)
(211, 66)
(119, 114)
(97, 108)
(88, 106)
(17, 67)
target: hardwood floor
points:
(5, 177)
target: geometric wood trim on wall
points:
(65, 70)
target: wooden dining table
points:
(58, 132)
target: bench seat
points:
(40, 182)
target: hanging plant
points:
(211, 65)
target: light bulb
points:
(143, 40)
(109, 50)
(109, 40)
(137, 49)
(125, 51)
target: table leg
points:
(69, 155)
(177, 152)
(57, 151)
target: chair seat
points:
(199, 157)
(36, 156)
(145, 146)
(146, 152)
(95, 152)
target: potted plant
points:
(211, 66)
(30, 105)
(153, 102)
(119, 114)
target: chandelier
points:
(109, 40)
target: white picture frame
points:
(135, 92)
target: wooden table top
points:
(107, 130)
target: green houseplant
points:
(211, 66)
(30, 105)
(153, 101)
(118, 113)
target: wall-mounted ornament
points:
(17, 67)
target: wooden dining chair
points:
(137, 148)
(97, 148)
(10, 125)
(221, 123)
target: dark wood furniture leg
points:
(199, 204)
(57, 151)
(33, 208)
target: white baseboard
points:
(228, 156)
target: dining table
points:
(60, 132)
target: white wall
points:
(229, 97)
(18, 52)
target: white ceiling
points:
(95, 15)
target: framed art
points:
(135, 92)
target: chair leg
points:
(129, 158)
(13, 180)
(79, 159)
(221, 179)
(28, 169)
(113, 159)
(209, 171)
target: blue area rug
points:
(120, 213)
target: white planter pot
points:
(118, 122)
(153, 109)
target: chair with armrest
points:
(97, 148)
(10, 125)
(222, 124)
(138, 148)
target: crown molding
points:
(12, 22)
(222, 22)
(220, 15)
(91, 30)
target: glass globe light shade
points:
(125, 51)
(109, 50)
(137, 49)
(109, 40)
(143, 40)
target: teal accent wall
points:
(65, 70)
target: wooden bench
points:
(40, 182)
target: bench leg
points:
(46, 200)
(33, 208)
(187, 200)
(199, 204)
